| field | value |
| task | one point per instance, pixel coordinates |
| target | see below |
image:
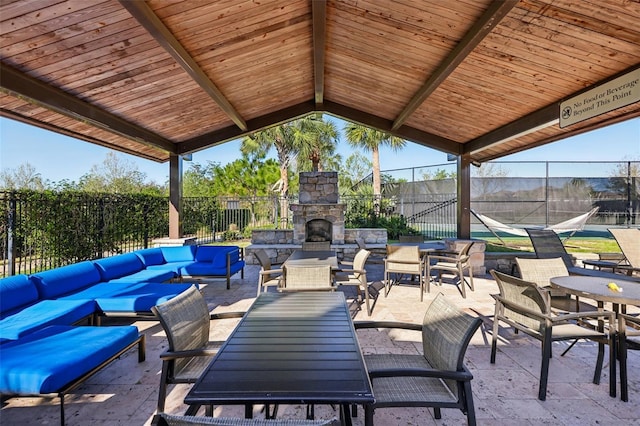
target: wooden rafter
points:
(480, 29)
(405, 132)
(259, 123)
(20, 84)
(319, 12)
(150, 21)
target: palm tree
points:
(317, 140)
(370, 139)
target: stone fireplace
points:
(318, 216)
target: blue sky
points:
(58, 157)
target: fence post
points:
(11, 228)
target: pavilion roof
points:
(469, 77)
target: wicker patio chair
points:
(438, 377)
(526, 307)
(186, 322)
(316, 246)
(540, 271)
(629, 241)
(547, 244)
(268, 277)
(308, 278)
(373, 256)
(400, 261)
(452, 263)
(169, 420)
(629, 338)
(356, 277)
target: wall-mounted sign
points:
(606, 97)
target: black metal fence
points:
(46, 230)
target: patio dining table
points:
(289, 348)
(312, 258)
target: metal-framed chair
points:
(436, 378)
(186, 322)
(400, 261)
(356, 277)
(267, 277)
(526, 307)
(629, 338)
(628, 240)
(452, 263)
(308, 278)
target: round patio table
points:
(597, 289)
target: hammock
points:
(572, 225)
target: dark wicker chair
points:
(186, 322)
(629, 336)
(527, 308)
(438, 378)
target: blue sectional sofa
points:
(56, 359)
(44, 351)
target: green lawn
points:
(574, 245)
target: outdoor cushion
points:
(129, 297)
(47, 360)
(147, 276)
(43, 314)
(207, 269)
(179, 253)
(150, 256)
(217, 255)
(16, 291)
(66, 279)
(118, 266)
(173, 266)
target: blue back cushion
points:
(118, 266)
(179, 254)
(66, 279)
(217, 255)
(150, 256)
(16, 291)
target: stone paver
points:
(505, 393)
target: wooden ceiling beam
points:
(150, 21)
(19, 84)
(319, 13)
(405, 132)
(480, 29)
(254, 125)
(57, 129)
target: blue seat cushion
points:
(131, 297)
(147, 275)
(15, 292)
(118, 266)
(150, 256)
(173, 266)
(207, 269)
(47, 360)
(43, 314)
(66, 279)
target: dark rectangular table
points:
(312, 258)
(290, 348)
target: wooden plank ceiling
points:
(469, 77)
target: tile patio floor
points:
(505, 393)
